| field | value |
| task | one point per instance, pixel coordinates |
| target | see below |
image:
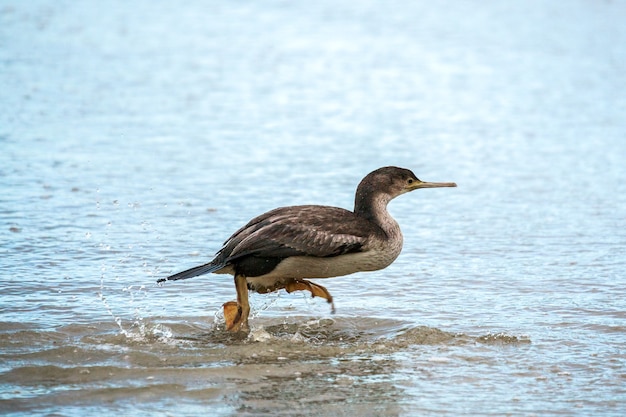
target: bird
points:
(286, 246)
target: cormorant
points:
(279, 249)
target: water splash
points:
(107, 306)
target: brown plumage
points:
(280, 248)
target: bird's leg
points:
(236, 313)
(316, 290)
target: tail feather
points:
(193, 272)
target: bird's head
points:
(381, 186)
(395, 181)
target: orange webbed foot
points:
(232, 314)
(236, 312)
(316, 290)
(234, 318)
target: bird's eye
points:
(410, 180)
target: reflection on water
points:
(134, 139)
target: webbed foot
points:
(236, 312)
(234, 318)
(316, 290)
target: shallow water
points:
(135, 140)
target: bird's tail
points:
(193, 272)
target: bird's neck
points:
(373, 207)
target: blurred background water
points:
(135, 138)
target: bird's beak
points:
(423, 184)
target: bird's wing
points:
(299, 230)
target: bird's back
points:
(310, 230)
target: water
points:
(136, 139)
